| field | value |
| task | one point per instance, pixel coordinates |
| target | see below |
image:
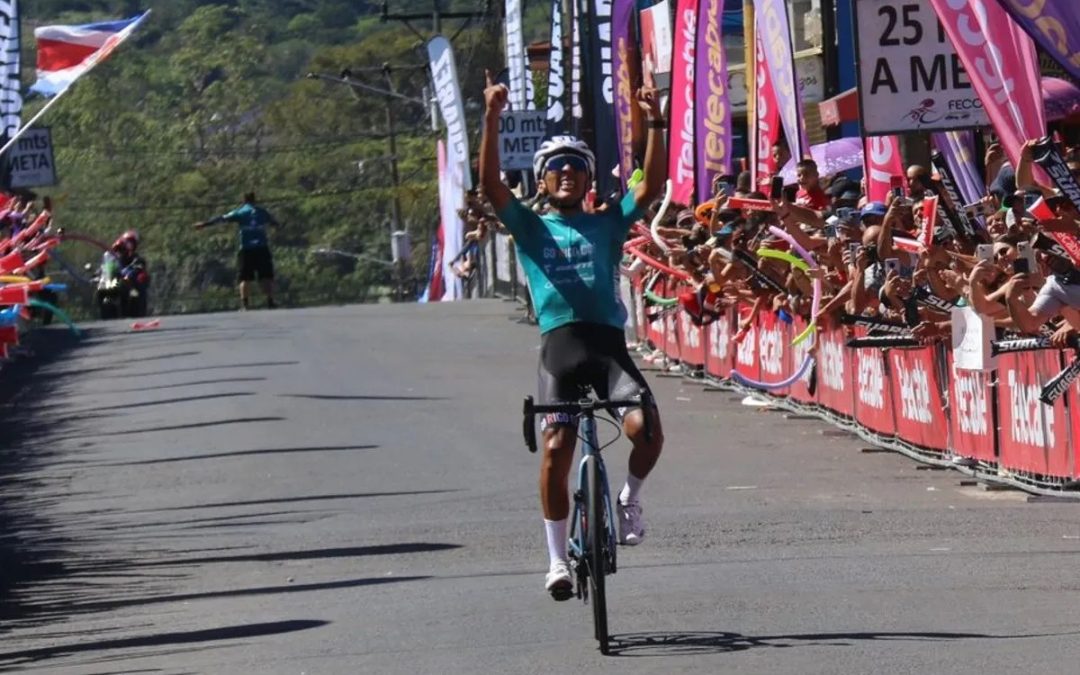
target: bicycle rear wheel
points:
(596, 555)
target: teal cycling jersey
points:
(251, 221)
(572, 264)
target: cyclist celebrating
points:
(571, 259)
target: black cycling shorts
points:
(255, 263)
(581, 356)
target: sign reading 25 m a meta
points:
(910, 78)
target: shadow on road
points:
(314, 554)
(197, 383)
(195, 369)
(160, 639)
(244, 453)
(710, 642)
(331, 397)
(308, 498)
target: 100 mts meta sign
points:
(910, 77)
(520, 136)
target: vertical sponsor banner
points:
(457, 178)
(576, 112)
(1054, 24)
(971, 422)
(916, 393)
(772, 20)
(835, 387)
(957, 148)
(765, 131)
(448, 93)
(656, 328)
(713, 127)
(10, 68)
(721, 350)
(746, 352)
(556, 90)
(681, 142)
(883, 161)
(435, 288)
(622, 54)
(601, 93)
(1033, 436)
(515, 54)
(873, 395)
(1003, 67)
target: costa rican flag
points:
(65, 53)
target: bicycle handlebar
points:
(586, 405)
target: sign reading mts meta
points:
(520, 136)
(31, 160)
(910, 77)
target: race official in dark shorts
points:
(255, 264)
(253, 261)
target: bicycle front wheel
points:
(596, 555)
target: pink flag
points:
(883, 161)
(681, 144)
(1000, 59)
(766, 129)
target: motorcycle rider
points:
(133, 274)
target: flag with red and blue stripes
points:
(65, 53)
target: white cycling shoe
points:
(631, 523)
(558, 581)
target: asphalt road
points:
(345, 490)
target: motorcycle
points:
(120, 292)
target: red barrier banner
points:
(800, 391)
(916, 394)
(774, 356)
(971, 424)
(835, 373)
(692, 341)
(9, 335)
(1033, 436)
(873, 398)
(1073, 404)
(637, 292)
(746, 352)
(672, 339)
(720, 352)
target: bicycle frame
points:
(589, 445)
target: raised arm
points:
(495, 96)
(655, 152)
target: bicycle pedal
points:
(562, 593)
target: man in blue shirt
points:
(572, 261)
(254, 259)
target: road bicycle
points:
(592, 536)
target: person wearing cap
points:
(872, 213)
(572, 259)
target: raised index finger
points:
(488, 78)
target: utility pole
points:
(394, 178)
(436, 16)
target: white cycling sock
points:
(631, 491)
(556, 539)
